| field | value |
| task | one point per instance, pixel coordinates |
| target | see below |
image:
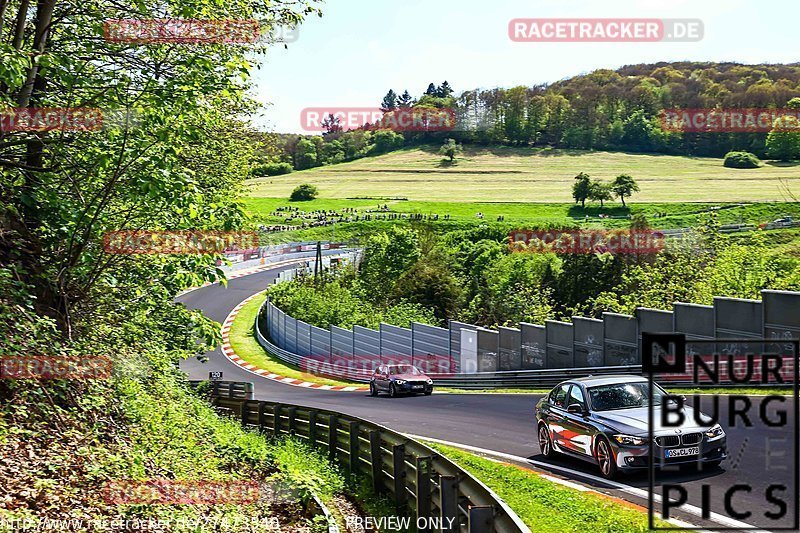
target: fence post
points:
(376, 461)
(448, 496)
(399, 472)
(292, 416)
(332, 436)
(312, 428)
(262, 416)
(244, 413)
(423, 482)
(276, 419)
(481, 519)
(354, 460)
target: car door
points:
(577, 429)
(556, 413)
(383, 379)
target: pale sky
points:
(360, 49)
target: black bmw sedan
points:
(604, 420)
(399, 379)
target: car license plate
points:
(681, 452)
(417, 387)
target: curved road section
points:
(503, 425)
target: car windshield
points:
(623, 396)
(404, 369)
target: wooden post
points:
(448, 496)
(399, 467)
(423, 482)
(376, 461)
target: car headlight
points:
(430, 381)
(630, 440)
(715, 432)
(401, 382)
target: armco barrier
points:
(422, 483)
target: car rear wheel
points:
(545, 445)
(605, 459)
(373, 390)
(392, 391)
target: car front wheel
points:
(605, 459)
(392, 391)
(545, 445)
(373, 390)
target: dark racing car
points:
(399, 379)
(603, 420)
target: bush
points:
(303, 193)
(741, 160)
(272, 169)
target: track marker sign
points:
(762, 432)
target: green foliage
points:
(450, 149)
(741, 160)
(582, 189)
(303, 193)
(387, 255)
(272, 169)
(783, 142)
(386, 141)
(600, 192)
(624, 186)
(338, 301)
(430, 284)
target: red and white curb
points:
(228, 352)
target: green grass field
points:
(507, 174)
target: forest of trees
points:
(603, 110)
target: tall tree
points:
(331, 124)
(389, 102)
(444, 90)
(405, 100)
(431, 90)
(582, 188)
(600, 192)
(624, 186)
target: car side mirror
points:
(576, 408)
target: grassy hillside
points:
(505, 174)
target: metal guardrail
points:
(422, 483)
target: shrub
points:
(272, 169)
(303, 193)
(741, 160)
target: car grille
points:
(669, 441)
(673, 441)
(691, 438)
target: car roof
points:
(592, 381)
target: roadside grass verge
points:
(545, 506)
(244, 343)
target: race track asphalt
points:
(505, 423)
